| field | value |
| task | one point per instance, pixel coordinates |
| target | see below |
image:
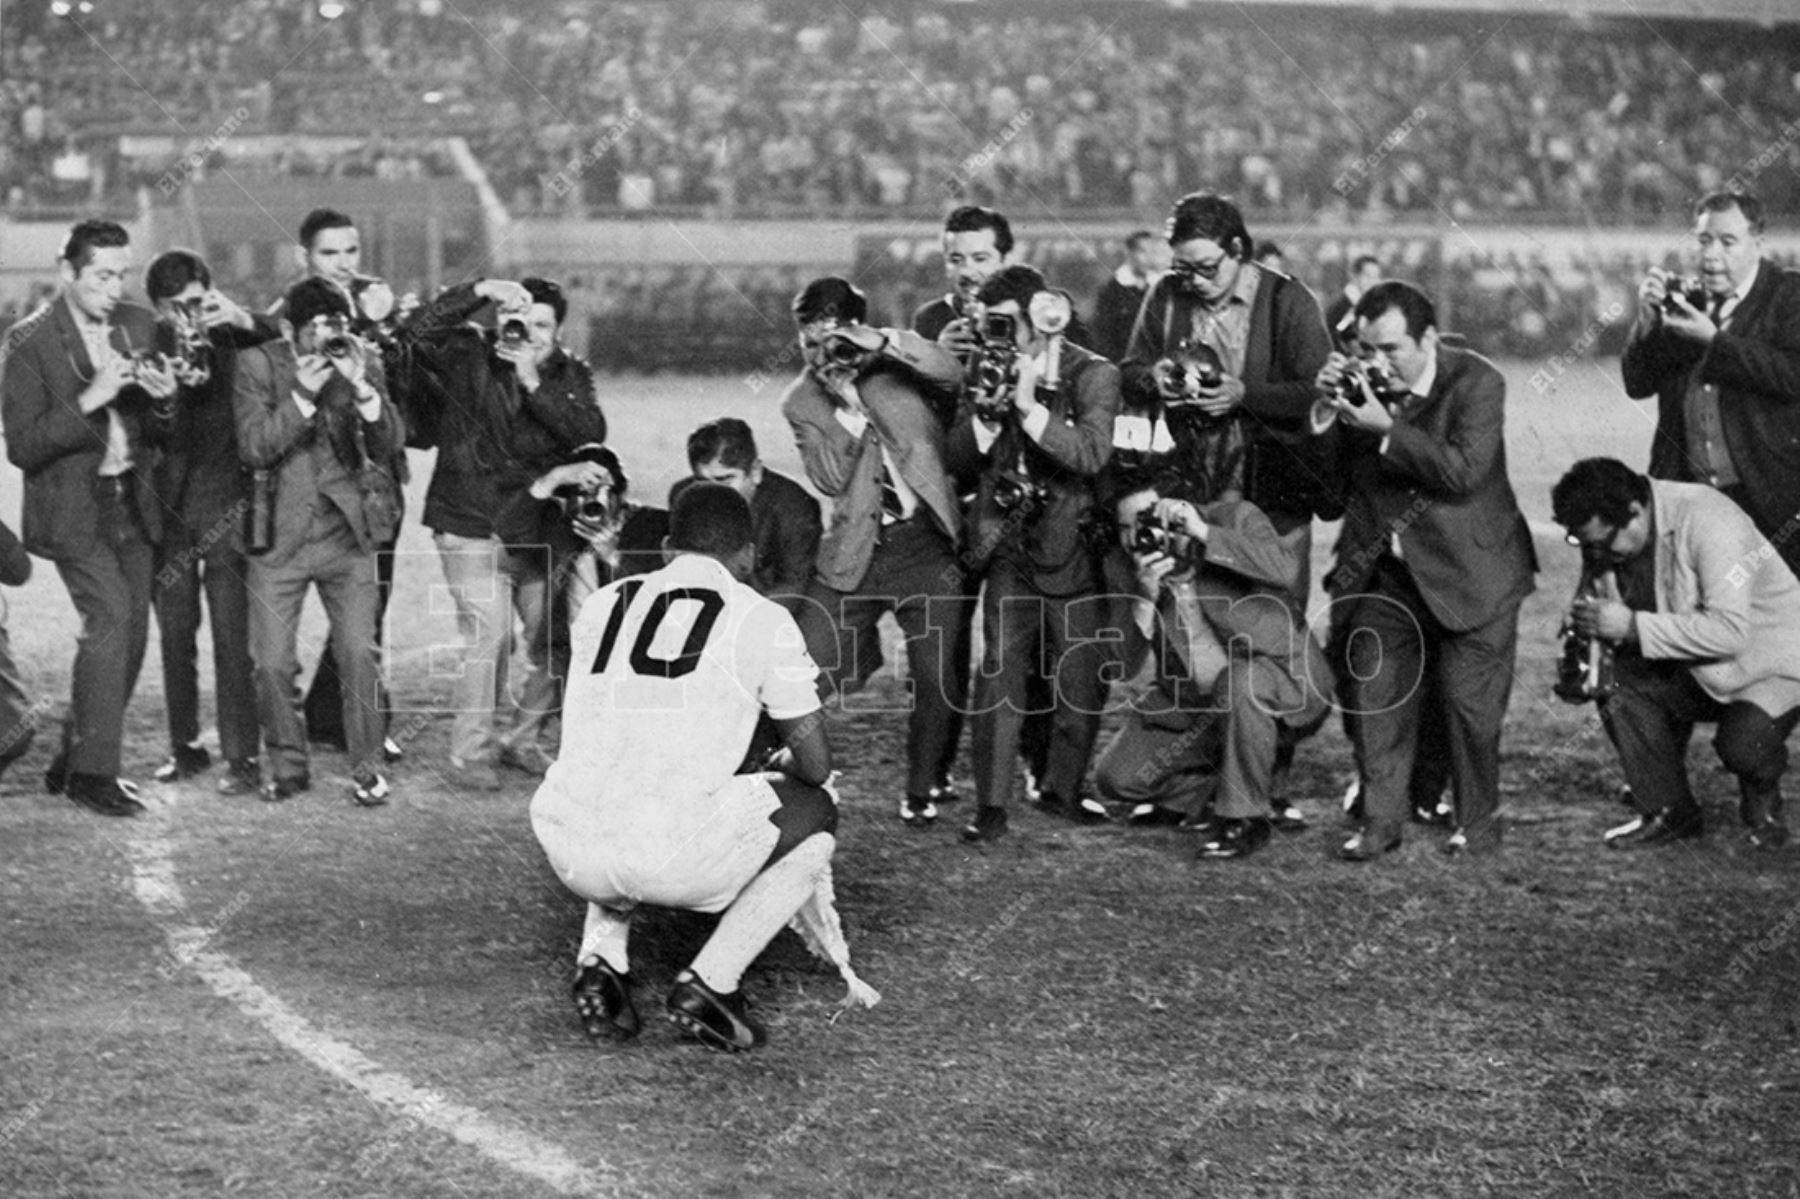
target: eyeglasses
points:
(1201, 270)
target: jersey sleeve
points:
(790, 684)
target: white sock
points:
(760, 911)
(604, 936)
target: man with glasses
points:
(1704, 618)
(79, 391)
(1435, 559)
(863, 417)
(1240, 423)
(1721, 354)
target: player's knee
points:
(805, 811)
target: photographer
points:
(1721, 354)
(1035, 430)
(498, 408)
(1434, 560)
(312, 411)
(78, 393)
(1705, 621)
(866, 429)
(1236, 671)
(201, 485)
(1245, 417)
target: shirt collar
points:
(1428, 379)
(1244, 290)
(82, 320)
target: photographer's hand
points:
(1217, 401)
(1025, 400)
(583, 475)
(506, 293)
(354, 365)
(1181, 515)
(1605, 618)
(1650, 295)
(524, 359)
(155, 376)
(959, 337)
(108, 381)
(1686, 321)
(1152, 569)
(312, 372)
(219, 310)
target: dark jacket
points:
(787, 529)
(468, 404)
(1287, 346)
(317, 459)
(43, 372)
(1756, 366)
(1052, 544)
(1442, 487)
(200, 478)
(1115, 313)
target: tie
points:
(1715, 311)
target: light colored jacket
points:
(1724, 599)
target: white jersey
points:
(667, 676)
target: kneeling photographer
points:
(501, 406)
(1035, 431)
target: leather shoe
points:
(1084, 810)
(101, 795)
(1660, 829)
(989, 824)
(1461, 846)
(1236, 838)
(1287, 817)
(1438, 814)
(603, 1000)
(1366, 847)
(240, 778)
(719, 1021)
(276, 790)
(1149, 815)
(1770, 834)
(184, 763)
(917, 811)
(56, 775)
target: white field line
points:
(153, 880)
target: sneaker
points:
(917, 811)
(184, 763)
(989, 824)
(718, 1021)
(603, 1000)
(370, 790)
(240, 778)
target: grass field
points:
(310, 999)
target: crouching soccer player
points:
(670, 671)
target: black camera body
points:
(1688, 288)
(1382, 379)
(1150, 535)
(1021, 498)
(512, 331)
(993, 376)
(1193, 367)
(841, 350)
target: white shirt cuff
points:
(854, 422)
(306, 406)
(370, 409)
(1035, 422)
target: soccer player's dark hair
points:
(710, 518)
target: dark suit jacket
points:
(787, 532)
(848, 469)
(1756, 366)
(45, 369)
(200, 477)
(1053, 545)
(1442, 485)
(1115, 312)
(274, 435)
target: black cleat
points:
(1236, 838)
(1149, 815)
(101, 795)
(603, 1000)
(717, 1021)
(989, 824)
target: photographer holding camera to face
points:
(1035, 431)
(312, 412)
(203, 487)
(1236, 671)
(502, 403)
(863, 417)
(1720, 351)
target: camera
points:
(993, 372)
(1380, 376)
(1688, 288)
(337, 345)
(513, 331)
(1150, 535)
(589, 505)
(1021, 498)
(842, 350)
(998, 328)
(1193, 367)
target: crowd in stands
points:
(738, 108)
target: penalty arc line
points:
(154, 883)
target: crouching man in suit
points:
(313, 420)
